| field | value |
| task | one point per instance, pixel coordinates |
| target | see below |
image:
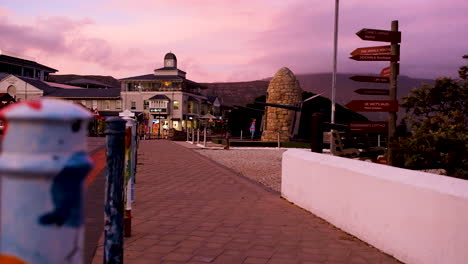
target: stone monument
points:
(283, 89)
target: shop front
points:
(159, 124)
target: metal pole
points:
(392, 116)
(114, 202)
(43, 165)
(335, 51)
(187, 131)
(198, 136)
(378, 140)
(241, 135)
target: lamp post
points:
(335, 48)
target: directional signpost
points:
(375, 58)
(389, 75)
(372, 91)
(379, 35)
(380, 50)
(367, 127)
(385, 72)
(373, 79)
(373, 105)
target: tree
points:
(437, 116)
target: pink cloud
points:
(217, 40)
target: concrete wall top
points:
(434, 182)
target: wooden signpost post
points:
(387, 75)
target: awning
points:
(208, 116)
(193, 99)
(160, 97)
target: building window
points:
(107, 105)
(133, 105)
(176, 105)
(118, 104)
(145, 104)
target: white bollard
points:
(129, 172)
(43, 165)
(193, 136)
(204, 137)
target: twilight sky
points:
(230, 40)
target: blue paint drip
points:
(67, 192)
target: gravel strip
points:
(261, 165)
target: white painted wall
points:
(23, 90)
(414, 216)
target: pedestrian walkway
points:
(189, 209)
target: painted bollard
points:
(43, 165)
(129, 173)
(134, 158)
(114, 202)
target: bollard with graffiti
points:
(43, 164)
(114, 202)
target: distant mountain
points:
(237, 93)
(65, 78)
(242, 93)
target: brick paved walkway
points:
(191, 210)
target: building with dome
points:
(166, 98)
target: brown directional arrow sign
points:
(375, 57)
(366, 127)
(385, 72)
(379, 35)
(372, 91)
(372, 79)
(373, 105)
(380, 50)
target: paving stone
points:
(189, 209)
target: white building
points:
(167, 98)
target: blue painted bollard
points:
(43, 165)
(114, 199)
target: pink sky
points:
(230, 40)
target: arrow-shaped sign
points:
(372, 91)
(372, 79)
(373, 105)
(379, 35)
(380, 50)
(375, 57)
(385, 72)
(365, 127)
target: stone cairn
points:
(283, 89)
